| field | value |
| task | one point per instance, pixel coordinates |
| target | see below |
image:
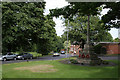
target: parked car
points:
(8, 56)
(56, 54)
(24, 56)
(62, 52)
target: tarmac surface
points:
(50, 57)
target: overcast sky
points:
(52, 4)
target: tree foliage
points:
(78, 30)
(75, 8)
(91, 8)
(112, 15)
(116, 40)
(23, 25)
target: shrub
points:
(98, 61)
(35, 54)
(103, 50)
(97, 48)
(73, 61)
(105, 62)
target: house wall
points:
(112, 48)
(75, 48)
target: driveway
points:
(48, 57)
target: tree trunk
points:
(88, 35)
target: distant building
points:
(74, 49)
(111, 47)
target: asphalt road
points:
(109, 58)
(48, 57)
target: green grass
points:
(112, 54)
(63, 71)
(0, 71)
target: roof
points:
(109, 42)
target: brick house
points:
(74, 49)
(111, 47)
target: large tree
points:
(78, 30)
(78, 8)
(23, 24)
(112, 18)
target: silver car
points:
(8, 56)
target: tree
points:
(116, 40)
(23, 25)
(67, 44)
(83, 9)
(78, 30)
(113, 14)
(77, 8)
(58, 44)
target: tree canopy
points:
(116, 40)
(23, 25)
(77, 8)
(90, 8)
(112, 18)
(78, 30)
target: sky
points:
(52, 4)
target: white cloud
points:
(114, 32)
(59, 26)
(52, 4)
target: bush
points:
(105, 62)
(35, 54)
(74, 61)
(98, 61)
(103, 50)
(97, 48)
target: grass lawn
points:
(0, 70)
(55, 69)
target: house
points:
(111, 47)
(74, 49)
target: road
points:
(48, 57)
(109, 58)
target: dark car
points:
(24, 56)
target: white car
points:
(56, 54)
